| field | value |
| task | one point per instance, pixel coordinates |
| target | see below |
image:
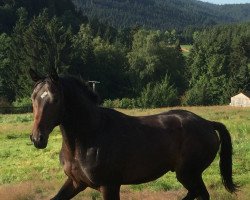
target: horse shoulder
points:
(72, 166)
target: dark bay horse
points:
(104, 149)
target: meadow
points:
(27, 173)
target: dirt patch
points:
(152, 195)
(20, 191)
(27, 191)
(46, 190)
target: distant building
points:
(242, 99)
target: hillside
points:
(64, 9)
(162, 14)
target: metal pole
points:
(94, 84)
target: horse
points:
(104, 149)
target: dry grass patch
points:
(25, 191)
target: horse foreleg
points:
(69, 190)
(110, 192)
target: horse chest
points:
(72, 169)
(83, 166)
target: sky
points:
(227, 1)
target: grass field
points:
(27, 173)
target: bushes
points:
(121, 103)
(155, 95)
(24, 102)
(20, 106)
(158, 95)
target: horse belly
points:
(117, 174)
(153, 164)
(143, 175)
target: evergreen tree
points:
(44, 44)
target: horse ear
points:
(34, 76)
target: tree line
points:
(136, 67)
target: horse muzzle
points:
(39, 141)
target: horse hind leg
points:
(202, 191)
(194, 184)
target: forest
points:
(136, 67)
(162, 14)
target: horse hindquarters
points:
(198, 151)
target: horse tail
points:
(225, 157)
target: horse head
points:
(47, 102)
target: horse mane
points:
(77, 85)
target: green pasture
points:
(21, 163)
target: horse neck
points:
(81, 119)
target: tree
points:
(6, 72)
(44, 44)
(155, 54)
(83, 58)
(95, 58)
(110, 69)
(7, 18)
(47, 44)
(158, 94)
